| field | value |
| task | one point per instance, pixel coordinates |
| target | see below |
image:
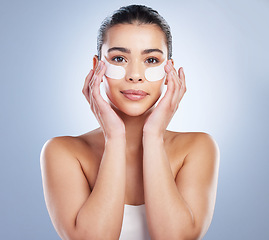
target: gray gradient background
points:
(46, 51)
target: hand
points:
(109, 121)
(160, 117)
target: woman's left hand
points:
(160, 117)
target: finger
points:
(182, 77)
(181, 89)
(169, 92)
(170, 82)
(97, 82)
(95, 109)
(172, 78)
(85, 89)
(176, 95)
(178, 74)
(96, 88)
(101, 72)
(182, 80)
(170, 64)
(90, 90)
(177, 86)
(92, 102)
(97, 70)
(99, 66)
(95, 77)
(175, 76)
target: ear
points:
(165, 83)
(95, 62)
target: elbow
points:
(87, 234)
(193, 232)
(189, 232)
(81, 236)
(192, 236)
(85, 231)
(76, 233)
(187, 235)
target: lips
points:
(134, 95)
(134, 92)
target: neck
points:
(134, 133)
(134, 128)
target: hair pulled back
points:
(131, 14)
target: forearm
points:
(101, 215)
(169, 217)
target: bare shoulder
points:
(204, 144)
(72, 146)
(193, 143)
(190, 137)
(57, 155)
(59, 146)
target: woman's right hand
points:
(110, 122)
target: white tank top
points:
(134, 225)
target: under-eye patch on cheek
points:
(155, 73)
(113, 71)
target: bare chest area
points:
(134, 191)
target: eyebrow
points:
(146, 51)
(126, 50)
(121, 49)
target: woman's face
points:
(134, 48)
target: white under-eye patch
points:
(155, 73)
(118, 72)
(114, 71)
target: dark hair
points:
(134, 14)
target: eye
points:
(152, 60)
(118, 59)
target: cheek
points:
(111, 85)
(157, 88)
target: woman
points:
(131, 178)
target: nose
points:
(134, 73)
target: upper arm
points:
(197, 180)
(65, 186)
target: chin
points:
(132, 110)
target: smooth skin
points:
(132, 158)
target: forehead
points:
(136, 36)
